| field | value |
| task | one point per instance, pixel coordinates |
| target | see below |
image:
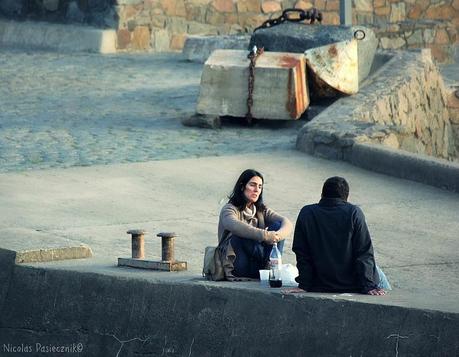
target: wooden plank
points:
(153, 265)
(280, 90)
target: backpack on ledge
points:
(213, 267)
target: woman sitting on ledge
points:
(247, 229)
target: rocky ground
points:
(62, 110)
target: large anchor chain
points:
(293, 15)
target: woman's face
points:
(253, 189)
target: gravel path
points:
(62, 110)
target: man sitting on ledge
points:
(333, 247)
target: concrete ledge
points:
(30, 246)
(107, 315)
(64, 38)
(403, 164)
(53, 254)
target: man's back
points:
(333, 248)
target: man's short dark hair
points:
(335, 187)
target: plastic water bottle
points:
(275, 264)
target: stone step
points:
(280, 90)
(56, 37)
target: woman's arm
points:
(286, 226)
(229, 217)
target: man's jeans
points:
(252, 255)
(383, 281)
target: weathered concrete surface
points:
(279, 92)
(140, 316)
(335, 65)
(199, 48)
(62, 38)
(97, 205)
(414, 229)
(291, 37)
(32, 245)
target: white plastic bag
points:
(288, 275)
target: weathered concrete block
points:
(289, 37)
(65, 38)
(280, 90)
(199, 48)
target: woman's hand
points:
(273, 237)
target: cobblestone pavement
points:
(61, 110)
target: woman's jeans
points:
(252, 255)
(383, 281)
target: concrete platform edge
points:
(98, 311)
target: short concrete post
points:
(345, 12)
(167, 246)
(138, 243)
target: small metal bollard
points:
(167, 246)
(138, 243)
(168, 262)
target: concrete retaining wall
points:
(105, 315)
(402, 106)
(163, 25)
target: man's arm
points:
(365, 265)
(303, 257)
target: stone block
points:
(160, 40)
(415, 38)
(280, 90)
(199, 48)
(248, 6)
(303, 5)
(429, 35)
(441, 37)
(382, 11)
(270, 6)
(320, 4)
(439, 12)
(392, 42)
(177, 42)
(296, 38)
(397, 12)
(159, 21)
(196, 28)
(195, 12)
(363, 5)
(336, 65)
(332, 5)
(177, 25)
(223, 5)
(203, 121)
(379, 3)
(173, 7)
(455, 4)
(141, 38)
(123, 39)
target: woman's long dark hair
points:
(237, 197)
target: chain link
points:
(252, 56)
(312, 15)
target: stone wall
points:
(163, 25)
(402, 106)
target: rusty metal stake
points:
(138, 243)
(167, 246)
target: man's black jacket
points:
(333, 248)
